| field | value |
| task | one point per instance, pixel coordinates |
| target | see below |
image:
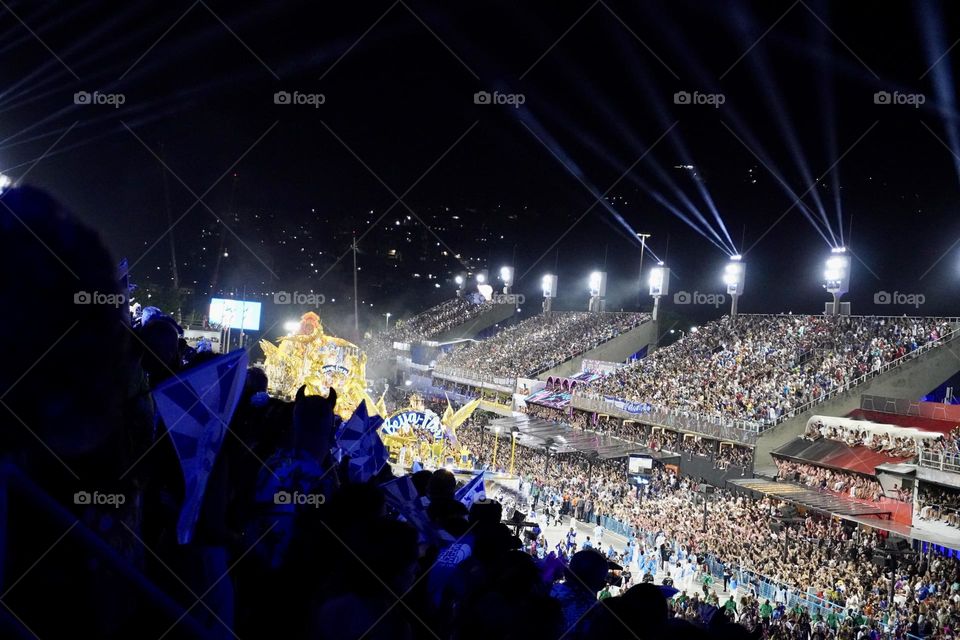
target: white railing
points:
(940, 460)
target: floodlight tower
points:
(506, 275)
(733, 276)
(461, 281)
(659, 286)
(836, 277)
(598, 291)
(482, 278)
(549, 286)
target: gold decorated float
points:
(320, 362)
(417, 434)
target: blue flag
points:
(358, 439)
(472, 491)
(196, 407)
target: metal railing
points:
(940, 460)
(740, 431)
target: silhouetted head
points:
(65, 325)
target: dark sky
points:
(598, 81)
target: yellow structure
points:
(321, 362)
(415, 433)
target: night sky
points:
(598, 80)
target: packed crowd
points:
(939, 503)
(435, 320)
(759, 368)
(823, 562)
(852, 436)
(541, 342)
(943, 449)
(847, 483)
(424, 326)
(723, 454)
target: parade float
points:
(416, 434)
(313, 359)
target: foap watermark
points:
(508, 298)
(311, 99)
(899, 298)
(95, 498)
(512, 99)
(697, 98)
(96, 297)
(96, 97)
(685, 297)
(298, 499)
(898, 98)
(299, 298)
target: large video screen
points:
(236, 314)
(639, 464)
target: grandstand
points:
(543, 344)
(459, 318)
(755, 372)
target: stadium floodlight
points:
(481, 278)
(5, 182)
(549, 286)
(506, 276)
(461, 281)
(659, 285)
(836, 276)
(598, 290)
(734, 275)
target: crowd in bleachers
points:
(848, 483)
(892, 445)
(823, 560)
(656, 439)
(539, 343)
(434, 321)
(945, 448)
(424, 326)
(758, 368)
(939, 503)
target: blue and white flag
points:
(358, 439)
(400, 490)
(472, 491)
(401, 494)
(196, 407)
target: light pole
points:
(506, 276)
(513, 447)
(734, 275)
(549, 286)
(496, 442)
(836, 276)
(643, 249)
(386, 326)
(598, 291)
(659, 286)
